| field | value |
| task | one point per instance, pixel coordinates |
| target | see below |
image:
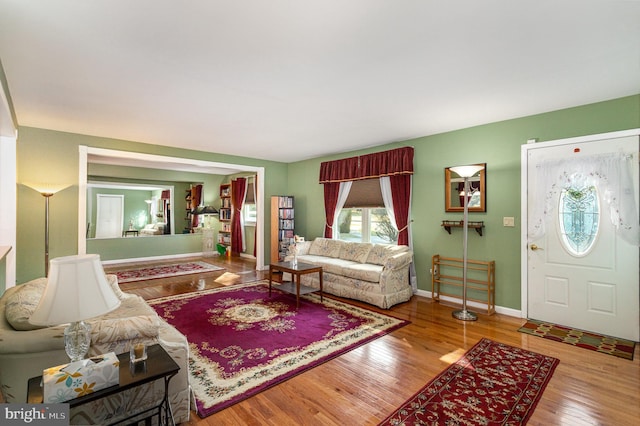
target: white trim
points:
(8, 188)
(7, 129)
(524, 164)
(151, 258)
(482, 307)
(178, 163)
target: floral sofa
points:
(153, 229)
(26, 350)
(374, 273)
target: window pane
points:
(382, 231)
(579, 219)
(366, 225)
(350, 225)
(250, 213)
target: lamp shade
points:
(466, 171)
(77, 289)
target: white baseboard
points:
(481, 306)
(154, 258)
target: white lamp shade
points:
(77, 289)
(466, 171)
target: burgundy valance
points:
(387, 163)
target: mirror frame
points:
(450, 180)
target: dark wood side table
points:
(158, 365)
(133, 232)
(294, 287)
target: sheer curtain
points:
(611, 174)
(255, 198)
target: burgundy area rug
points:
(164, 271)
(492, 384)
(242, 341)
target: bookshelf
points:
(224, 235)
(282, 226)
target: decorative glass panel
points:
(579, 219)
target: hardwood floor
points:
(365, 385)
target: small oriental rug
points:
(164, 271)
(242, 341)
(583, 339)
(492, 384)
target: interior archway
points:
(127, 158)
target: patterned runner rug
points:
(164, 271)
(242, 341)
(583, 339)
(492, 384)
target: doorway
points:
(580, 226)
(109, 215)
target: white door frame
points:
(103, 197)
(8, 190)
(524, 272)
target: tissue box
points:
(69, 381)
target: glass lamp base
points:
(77, 339)
(464, 315)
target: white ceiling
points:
(287, 80)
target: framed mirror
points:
(454, 191)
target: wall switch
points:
(508, 221)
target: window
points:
(249, 210)
(369, 225)
(579, 219)
(249, 214)
(363, 217)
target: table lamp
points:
(465, 172)
(77, 289)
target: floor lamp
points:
(465, 172)
(46, 196)
(47, 192)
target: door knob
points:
(535, 247)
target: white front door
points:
(581, 271)
(109, 216)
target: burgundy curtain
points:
(401, 195)
(395, 163)
(238, 193)
(387, 163)
(331, 192)
(166, 199)
(196, 197)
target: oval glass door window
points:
(579, 219)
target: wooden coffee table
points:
(296, 270)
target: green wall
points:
(52, 157)
(498, 145)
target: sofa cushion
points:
(381, 252)
(326, 247)
(357, 252)
(363, 271)
(329, 264)
(21, 304)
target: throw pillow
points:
(22, 302)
